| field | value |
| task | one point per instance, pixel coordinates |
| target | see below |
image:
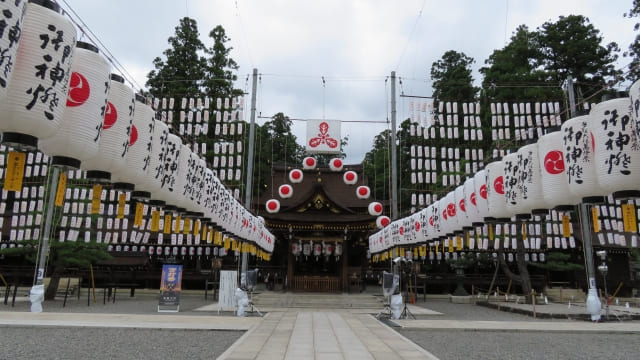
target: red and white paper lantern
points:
(11, 16)
(375, 208)
(480, 189)
(496, 201)
(462, 216)
(363, 192)
(512, 194)
(152, 183)
(116, 127)
(617, 148)
(382, 221)
(285, 191)
(578, 161)
(350, 177)
(553, 168)
(78, 135)
(309, 163)
(296, 176)
(336, 164)
(33, 106)
(530, 182)
(471, 202)
(272, 206)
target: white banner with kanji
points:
(323, 136)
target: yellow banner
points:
(491, 232)
(186, 229)
(15, 171)
(217, 239)
(196, 228)
(166, 229)
(629, 218)
(155, 220)
(450, 245)
(176, 228)
(524, 231)
(458, 243)
(95, 201)
(594, 219)
(62, 188)
(122, 199)
(566, 226)
(227, 243)
(137, 221)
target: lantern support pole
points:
(36, 295)
(250, 159)
(593, 301)
(394, 162)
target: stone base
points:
(461, 299)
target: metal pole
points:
(250, 159)
(593, 301)
(36, 294)
(394, 160)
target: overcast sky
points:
(353, 44)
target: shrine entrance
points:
(322, 231)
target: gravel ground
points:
(480, 345)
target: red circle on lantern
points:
(350, 176)
(472, 198)
(133, 137)
(337, 163)
(451, 209)
(79, 90)
(363, 191)
(444, 214)
(296, 174)
(377, 208)
(417, 225)
(110, 115)
(401, 230)
(384, 221)
(554, 162)
(462, 205)
(285, 190)
(498, 185)
(272, 205)
(311, 162)
(431, 222)
(483, 191)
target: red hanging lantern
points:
(382, 221)
(363, 192)
(272, 206)
(296, 176)
(336, 164)
(375, 208)
(309, 163)
(350, 177)
(285, 191)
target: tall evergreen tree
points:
(634, 48)
(451, 76)
(220, 66)
(180, 74)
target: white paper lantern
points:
(114, 141)
(173, 193)
(530, 182)
(350, 177)
(579, 160)
(272, 206)
(338, 250)
(363, 192)
(285, 191)
(152, 182)
(336, 164)
(11, 16)
(138, 156)
(480, 189)
(34, 102)
(168, 175)
(555, 188)
(78, 135)
(462, 215)
(375, 208)
(309, 163)
(512, 194)
(296, 176)
(471, 202)
(617, 148)
(382, 221)
(496, 202)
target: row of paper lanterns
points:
(589, 157)
(104, 128)
(316, 249)
(349, 177)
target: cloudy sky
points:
(353, 44)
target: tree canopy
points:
(451, 76)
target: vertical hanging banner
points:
(323, 137)
(15, 171)
(170, 288)
(62, 188)
(167, 224)
(122, 199)
(155, 221)
(95, 201)
(137, 221)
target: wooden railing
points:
(316, 284)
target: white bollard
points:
(36, 295)
(243, 301)
(396, 306)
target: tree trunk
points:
(52, 289)
(522, 278)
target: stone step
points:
(321, 301)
